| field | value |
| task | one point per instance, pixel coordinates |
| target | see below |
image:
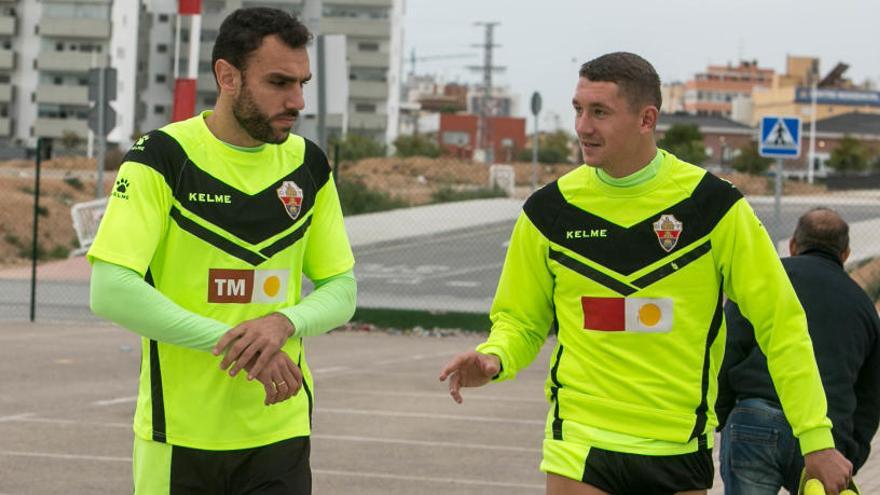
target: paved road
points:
(447, 271)
(383, 423)
(460, 270)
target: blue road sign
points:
(780, 137)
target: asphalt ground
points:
(383, 423)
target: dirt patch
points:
(57, 195)
(413, 180)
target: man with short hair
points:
(628, 258)
(758, 451)
(208, 232)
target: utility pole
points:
(484, 140)
(811, 157)
(312, 13)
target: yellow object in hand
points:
(814, 487)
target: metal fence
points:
(435, 258)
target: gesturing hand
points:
(469, 369)
(257, 339)
(281, 378)
(830, 467)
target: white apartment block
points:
(46, 50)
(369, 57)
(48, 46)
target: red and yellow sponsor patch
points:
(627, 314)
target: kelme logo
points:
(121, 187)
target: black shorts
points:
(280, 468)
(633, 474)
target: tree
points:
(354, 147)
(849, 156)
(553, 148)
(416, 145)
(749, 161)
(686, 142)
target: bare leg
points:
(558, 485)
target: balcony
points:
(5, 126)
(57, 27)
(367, 121)
(368, 59)
(5, 93)
(7, 60)
(366, 28)
(7, 25)
(55, 128)
(71, 61)
(370, 90)
(63, 95)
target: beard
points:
(257, 124)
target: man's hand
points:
(469, 369)
(257, 339)
(281, 378)
(831, 468)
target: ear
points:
(792, 247)
(648, 118)
(844, 255)
(228, 77)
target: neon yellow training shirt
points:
(634, 278)
(226, 234)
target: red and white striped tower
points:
(185, 87)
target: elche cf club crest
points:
(668, 230)
(291, 197)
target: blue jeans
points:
(759, 453)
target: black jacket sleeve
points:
(867, 389)
(740, 342)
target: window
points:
(365, 107)
(58, 81)
(159, 109)
(162, 48)
(455, 138)
(163, 17)
(367, 46)
(59, 47)
(160, 78)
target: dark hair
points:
(638, 81)
(243, 31)
(821, 229)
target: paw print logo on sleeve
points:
(121, 189)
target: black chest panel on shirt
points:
(629, 249)
(252, 218)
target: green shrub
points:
(447, 194)
(356, 198)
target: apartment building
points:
(791, 93)
(46, 51)
(712, 92)
(370, 60)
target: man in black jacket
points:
(759, 453)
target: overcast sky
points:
(544, 42)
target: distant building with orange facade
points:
(712, 92)
(791, 93)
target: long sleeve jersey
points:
(633, 279)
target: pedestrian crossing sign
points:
(780, 137)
